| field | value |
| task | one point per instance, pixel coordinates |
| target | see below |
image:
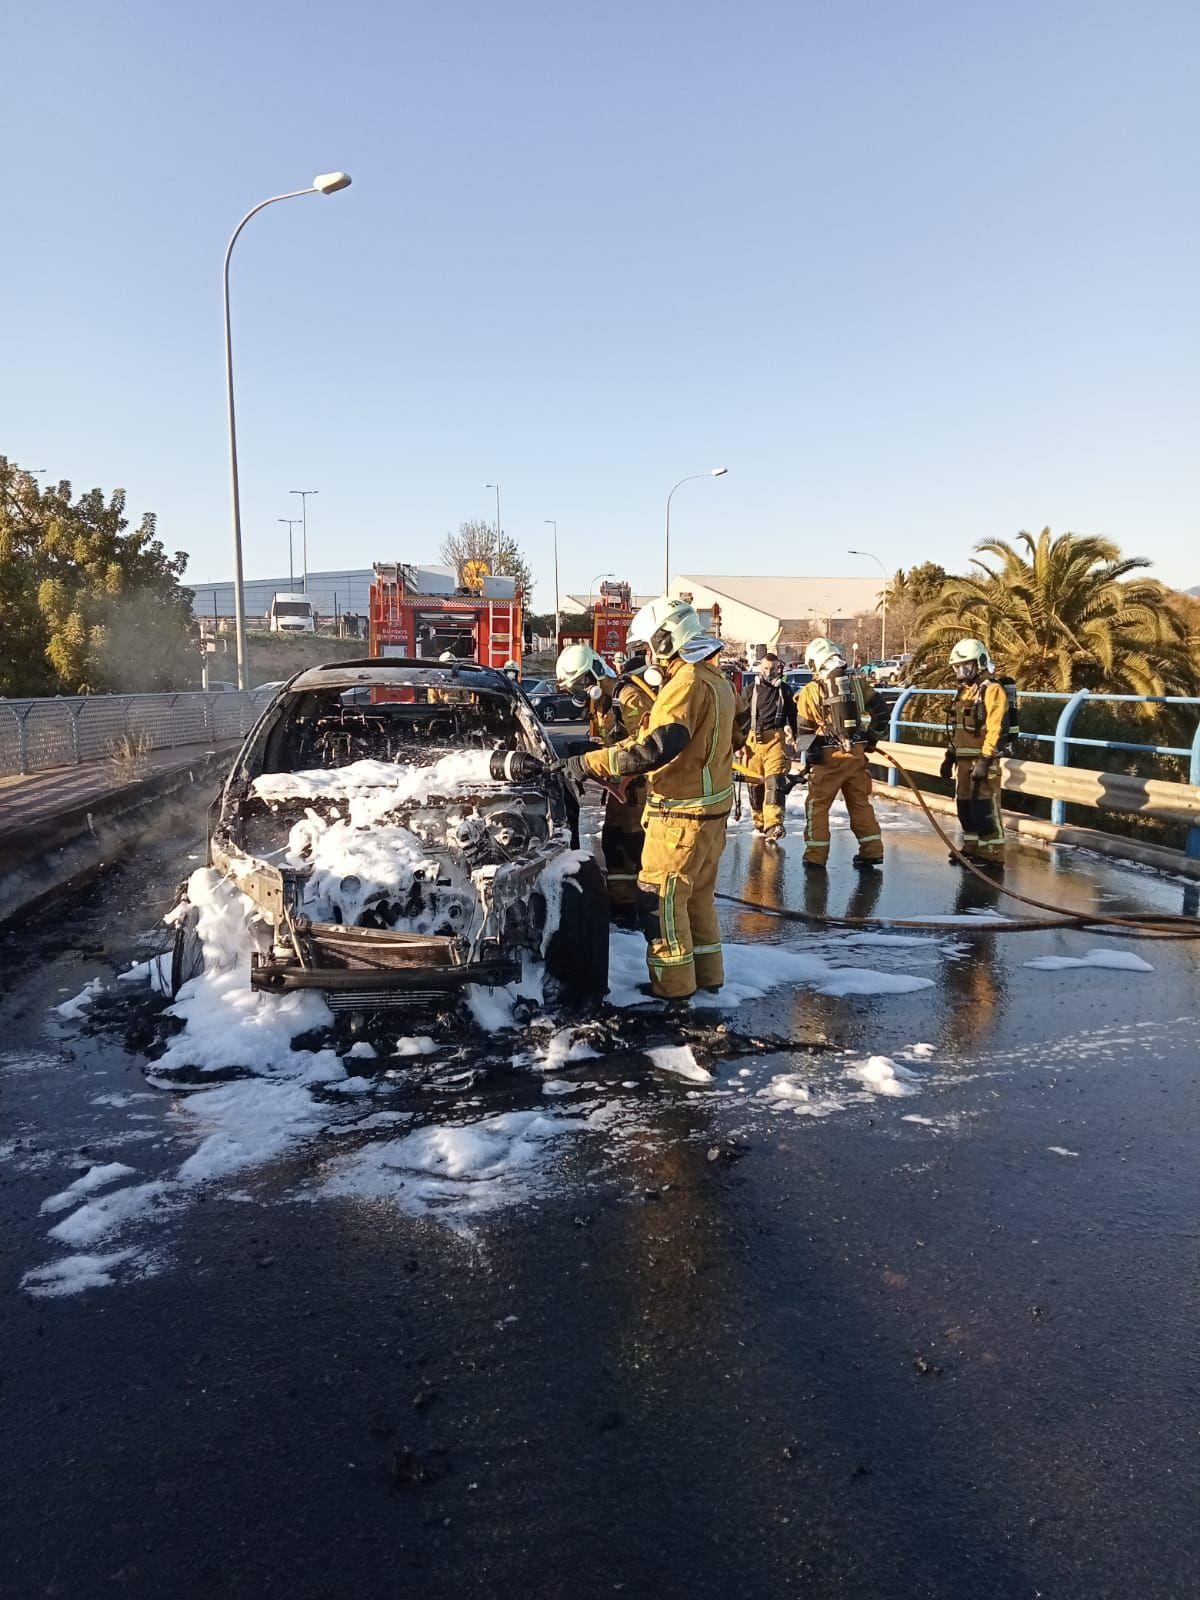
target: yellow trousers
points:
(765, 755)
(843, 772)
(978, 806)
(680, 858)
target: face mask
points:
(966, 671)
(595, 693)
(653, 676)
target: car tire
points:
(577, 955)
(187, 951)
(546, 713)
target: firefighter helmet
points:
(969, 660)
(665, 625)
(579, 667)
(821, 655)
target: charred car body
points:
(402, 830)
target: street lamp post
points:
(304, 494)
(883, 608)
(496, 486)
(551, 523)
(324, 183)
(290, 523)
(716, 472)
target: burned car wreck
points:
(401, 830)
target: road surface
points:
(781, 1330)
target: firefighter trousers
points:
(676, 909)
(978, 804)
(621, 840)
(843, 772)
(766, 757)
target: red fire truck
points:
(611, 618)
(478, 621)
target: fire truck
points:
(423, 612)
(611, 618)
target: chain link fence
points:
(36, 735)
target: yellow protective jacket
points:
(978, 718)
(685, 745)
(619, 714)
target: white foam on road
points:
(751, 971)
(94, 1178)
(74, 1008)
(882, 1075)
(98, 1218)
(680, 1060)
(1112, 960)
(456, 1170)
(1061, 1150)
(74, 1274)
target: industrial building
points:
(778, 613)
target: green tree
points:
(1060, 614)
(86, 606)
(907, 592)
(476, 541)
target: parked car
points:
(551, 704)
(890, 671)
(399, 848)
(797, 677)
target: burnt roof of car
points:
(383, 670)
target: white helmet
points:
(580, 667)
(447, 655)
(510, 669)
(821, 655)
(969, 660)
(665, 626)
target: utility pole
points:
(290, 523)
(496, 486)
(304, 494)
(550, 522)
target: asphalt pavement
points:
(899, 1301)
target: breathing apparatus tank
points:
(845, 706)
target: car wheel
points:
(577, 956)
(546, 713)
(187, 952)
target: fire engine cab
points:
(424, 611)
(611, 618)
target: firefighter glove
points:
(575, 770)
(946, 770)
(981, 769)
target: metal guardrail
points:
(36, 735)
(1065, 785)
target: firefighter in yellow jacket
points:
(979, 727)
(685, 750)
(841, 718)
(766, 757)
(617, 705)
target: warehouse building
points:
(754, 615)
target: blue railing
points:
(1062, 738)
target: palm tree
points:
(1061, 614)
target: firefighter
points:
(980, 727)
(512, 670)
(842, 719)
(766, 755)
(617, 704)
(685, 750)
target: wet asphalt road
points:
(734, 1351)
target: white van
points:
(291, 613)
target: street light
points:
(592, 591)
(551, 523)
(496, 486)
(290, 523)
(883, 608)
(716, 472)
(304, 494)
(323, 183)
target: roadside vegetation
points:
(85, 605)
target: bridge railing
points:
(1060, 782)
(38, 734)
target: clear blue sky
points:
(918, 273)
